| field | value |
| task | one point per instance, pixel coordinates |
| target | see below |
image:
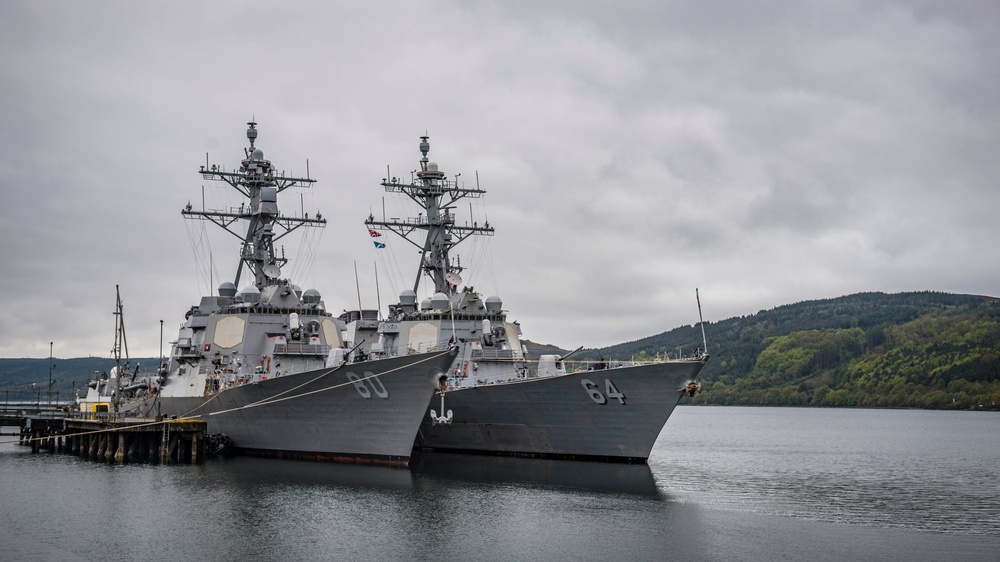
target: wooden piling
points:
(120, 441)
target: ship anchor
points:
(691, 389)
(444, 418)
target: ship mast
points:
(257, 181)
(435, 194)
(116, 351)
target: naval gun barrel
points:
(563, 358)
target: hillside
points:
(27, 379)
(906, 350)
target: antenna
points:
(358, 285)
(378, 291)
(704, 341)
(50, 372)
(453, 280)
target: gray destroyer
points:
(498, 398)
(266, 365)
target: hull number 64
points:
(610, 391)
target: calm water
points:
(722, 484)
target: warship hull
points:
(610, 415)
(366, 412)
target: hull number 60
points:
(373, 382)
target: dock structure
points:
(119, 440)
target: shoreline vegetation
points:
(923, 350)
(917, 350)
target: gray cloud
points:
(766, 153)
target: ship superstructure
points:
(499, 399)
(266, 364)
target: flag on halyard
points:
(375, 233)
(379, 244)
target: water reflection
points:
(571, 476)
(733, 483)
(266, 472)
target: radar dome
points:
(425, 304)
(440, 301)
(250, 293)
(297, 290)
(407, 296)
(311, 296)
(258, 154)
(432, 166)
(493, 304)
(227, 289)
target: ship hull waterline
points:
(367, 412)
(608, 415)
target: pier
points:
(108, 438)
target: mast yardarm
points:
(436, 195)
(256, 180)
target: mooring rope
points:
(263, 402)
(273, 400)
(105, 430)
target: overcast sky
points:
(764, 152)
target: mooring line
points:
(350, 382)
(105, 430)
(264, 402)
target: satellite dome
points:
(407, 296)
(493, 304)
(250, 293)
(227, 289)
(311, 296)
(297, 290)
(440, 301)
(432, 166)
(258, 154)
(425, 304)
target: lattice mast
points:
(256, 180)
(436, 194)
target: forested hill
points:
(28, 379)
(906, 350)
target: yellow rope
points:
(106, 430)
